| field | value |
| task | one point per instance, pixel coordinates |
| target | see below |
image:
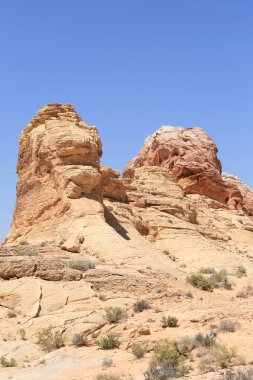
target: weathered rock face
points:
(59, 178)
(191, 157)
(247, 193)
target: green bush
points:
(48, 340)
(169, 321)
(241, 272)
(139, 349)
(7, 363)
(108, 342)
(114, 314)
(224, 356)
(166, 352)
(199, 281)
(141, 305)
(207, 270)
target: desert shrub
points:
(241, 374)
(207, 270)
(205, 340)
(207, 363)
(107, 362)
(79, 340)
(199, 281)
(186, 345)
(169, 321)
(220, 280)
(28, 252)
(114, 314)
(228, 326)
(108, 342)
(224, 356)
(101, 297)
(23, 242)
(81, 265)
(139, 349)
(95, 334)
(166, 352)
(189, 295)
(11, 314)
(241, 272)
(141, 305)
(161, 371)
(48, 340)
(108, 377)
(7, 363)
(242, 294)
(21, 332)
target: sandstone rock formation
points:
(191, 157)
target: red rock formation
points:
(191, 156)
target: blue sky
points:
(129, 66)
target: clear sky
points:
(129, 66)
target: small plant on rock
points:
(169, 321)
(48, 340)
(141, 305)
(108, 342)
(114, 314)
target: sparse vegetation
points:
(167, 353)
(108, 342)
(28, 252)
(241, 272)
(207, 270)
(108, 377)
(7, 363)
(220, 280)
(186, 345)
(141, 305)
(205, 340)
(227, 326)
(189, 295)
(79, 340)
(240, 374)
(224, 356)
(169, 321)
(114, 314)
(139, 349)
(161, 371)
(101, 297)
(207, 363)
(23, 242)
(81, 265)
(48, 340)
(200, 282)
(21, 332)
(107, 362)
